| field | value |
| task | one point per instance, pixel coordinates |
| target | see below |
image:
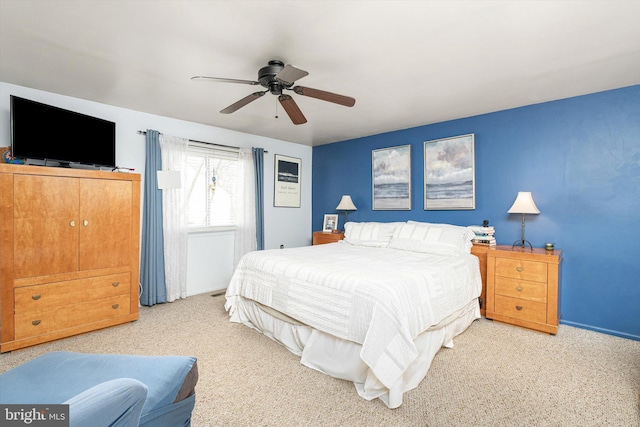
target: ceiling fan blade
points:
(347, 101)
(292, 109)
(290, 74)
(244, 101)
(223, 80)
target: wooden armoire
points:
(69, 252)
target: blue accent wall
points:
(579, 157)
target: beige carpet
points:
(496, 375)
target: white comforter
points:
(378, 297)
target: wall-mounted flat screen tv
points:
(44, 132)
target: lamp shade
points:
(524, 204)
(346, 204)
(169, 180)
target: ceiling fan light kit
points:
(277, 77)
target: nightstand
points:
(322, 237)
(523, 287)
(481, 252)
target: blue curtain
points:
(258, 163)
(154, 290)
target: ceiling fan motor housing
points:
(267, 77)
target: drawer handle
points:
(115, 284)
(35, 297)
(36, 322)
(72, 223)
(114, 306)
(519, 288)
(518, 307)
(520, 269)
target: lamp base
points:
(346, 220)
(522, 243)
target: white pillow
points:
(439, 239)
(376, 234)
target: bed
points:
(373, 308)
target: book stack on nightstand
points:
(485, 235)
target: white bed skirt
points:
(341, 358)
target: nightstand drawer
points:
(521, 309)
(532, 291)
(520, 269)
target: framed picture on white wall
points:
(286, 187)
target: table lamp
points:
(524, 204)
(346, 205)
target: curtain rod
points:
(144, 132)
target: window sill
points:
(216, 229)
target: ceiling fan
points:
(277, 77)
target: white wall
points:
(210, 254)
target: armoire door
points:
(105, 223)
(45, 225)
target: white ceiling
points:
(407, 63)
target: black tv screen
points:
(45, 132)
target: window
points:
(211, 184)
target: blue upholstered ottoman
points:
(82, 380)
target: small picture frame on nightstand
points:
(330, 223)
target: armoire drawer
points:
(36, 323)
(521, 309)
(532, 291)
(36, 298)
(521, 269)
